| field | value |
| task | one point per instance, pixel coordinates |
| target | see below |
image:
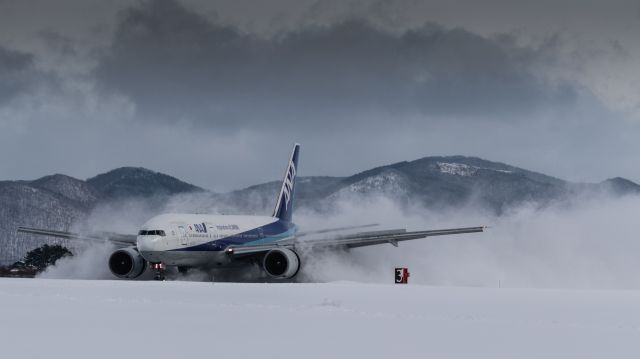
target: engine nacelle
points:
(127, 263)
(281, 263)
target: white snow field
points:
(45, 318)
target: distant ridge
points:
(138, 182)
(621, 185)
(69, 187)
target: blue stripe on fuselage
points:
(265, 234)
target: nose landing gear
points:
(158, 270)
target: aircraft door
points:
(182, 233)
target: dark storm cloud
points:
(174, 64)
(360, 83)
(16, 73)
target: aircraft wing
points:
(116, 238)
(380, 237)
(337, 229)
(352, 241)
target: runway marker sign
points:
(402, 275)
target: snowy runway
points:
(107, 319)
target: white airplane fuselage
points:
(200, 240)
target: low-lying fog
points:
(589, 243)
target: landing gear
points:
(158, 270)
(183, 270)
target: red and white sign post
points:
(402, 275)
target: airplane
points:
(205, 241)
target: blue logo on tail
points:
(288, 184)
(284, 206)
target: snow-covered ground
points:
(115, 319)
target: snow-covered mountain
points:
(435, 182)
(69, 188)
(27, 204)
(60, 201)
(138, 182)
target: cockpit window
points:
(155, 232)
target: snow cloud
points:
(589, 244)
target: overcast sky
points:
(216, 92)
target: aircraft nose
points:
(146, 243)
(141, 243)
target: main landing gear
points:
(158, 270)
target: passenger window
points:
(142, 233)
(161, 233)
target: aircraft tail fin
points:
(284, 205)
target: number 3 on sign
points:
(402, 275)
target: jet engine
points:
(127, 263)
(281, 263)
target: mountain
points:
(60, 202)
(70, 188)
(620, 186)
(126, 182)
(261, 198)
(433, 182)
(455, 181)
(25, 204)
